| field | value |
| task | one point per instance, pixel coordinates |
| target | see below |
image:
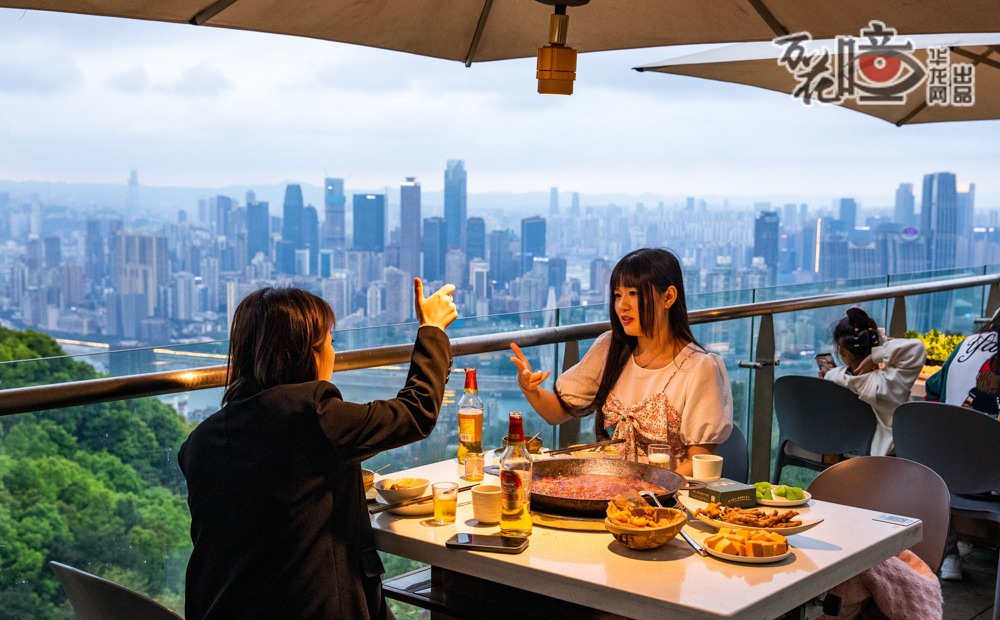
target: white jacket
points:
(887, 387)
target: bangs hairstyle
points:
(651, 271)
(273, 339)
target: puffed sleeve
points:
(707, 417)
(578, 385)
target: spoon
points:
(381, 468)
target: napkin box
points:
(726, 492)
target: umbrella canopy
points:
(482, 30)
(756, 64)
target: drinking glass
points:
(659, 455)
(474, 466)
(445, 502)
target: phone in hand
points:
(825, 361)
(493, 543)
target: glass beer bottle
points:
(515, 482)
(470, 418)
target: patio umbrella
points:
(756, 64)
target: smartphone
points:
(825, 361)
(494, 543)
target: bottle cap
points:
(470, 380)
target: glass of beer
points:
(474, 466)
(445, 502)
(659, 455)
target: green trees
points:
(95, 487)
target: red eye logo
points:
(880, 69)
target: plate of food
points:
(780, 495)
(413, 510)
(782, 522)
(747, 546)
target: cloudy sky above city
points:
(84, 99)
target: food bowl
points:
(369, 478)
(414, 488)
(642, 538)
(534, 446)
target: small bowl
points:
(369, 478)
(642, 538)
(415, 487)
(534, 446)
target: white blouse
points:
(700, 391)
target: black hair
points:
(651, 272)
(272, 342)
(857, 333)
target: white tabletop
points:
(592, 569)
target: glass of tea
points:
(659, 455)
(445, 502)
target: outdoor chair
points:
(735, 457)
(893, 485)
(94, 598)
(961, 446)
(819, 416)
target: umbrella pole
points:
(485, 15)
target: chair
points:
(961, 446)
(893, 485)
(735, 457)
(94, 598)
(819, 416)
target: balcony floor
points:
(972, 599)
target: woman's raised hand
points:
(529, 381)
(438, 310)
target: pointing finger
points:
(418, 288)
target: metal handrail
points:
(77, 393)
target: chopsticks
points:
(690, 541)
(586, 446)
(410, 502)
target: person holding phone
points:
(279, 517)
(881, 373)
(648, 377)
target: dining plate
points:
(413, 510)
(807, 524)
(745, 560)
(784, 503)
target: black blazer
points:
(278, 512)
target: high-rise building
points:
(369, 222)
(903, 212)
(184, 303)
(965, 199)
(834, 263)
(475, 238)
(284, 256)
(790, 222)
(532, 241)
(500, 256)
(435, 243)
(454, 268)
(398, 299)
(479, 277)
(862, 260)
(849, 213)
(223, 210)
(334, 231)
(939, 218)
(132, 204)
(455, 202)
(141, 266)
(310, 237)
(557, 273)
(258, 229)
(574, 207)
(94, 251)
(337, 293)
(554, 202)
(292, 216)
(766, 235)
(53, 251)
(409, 226)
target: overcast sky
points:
(84, 99)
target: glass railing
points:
(98, 486)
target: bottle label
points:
(470, 425)
(510, 488)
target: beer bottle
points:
(515, 482)
(470, 418)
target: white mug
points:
(706, 466)
(486, 503)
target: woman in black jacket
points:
(278, 511)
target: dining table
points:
(587, 574)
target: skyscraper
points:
(849, 213)
(765, 241)
(500, 256)
(409, 225)
(455, 202)
(334, 232)
(475, 238)
(53, 251)
(292, 221)
(903, 212)
(310, 237)
(574, 208)
(532, 241)
(965, 202)
(142, 265)
(435, 243)
(223, 208)
(939, 218)
(554, 201)
(94, 251)
(369, 222)
(258, 226)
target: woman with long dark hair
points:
(278, 511)
(648, 377)
(881, 372)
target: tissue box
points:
(726, 492)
